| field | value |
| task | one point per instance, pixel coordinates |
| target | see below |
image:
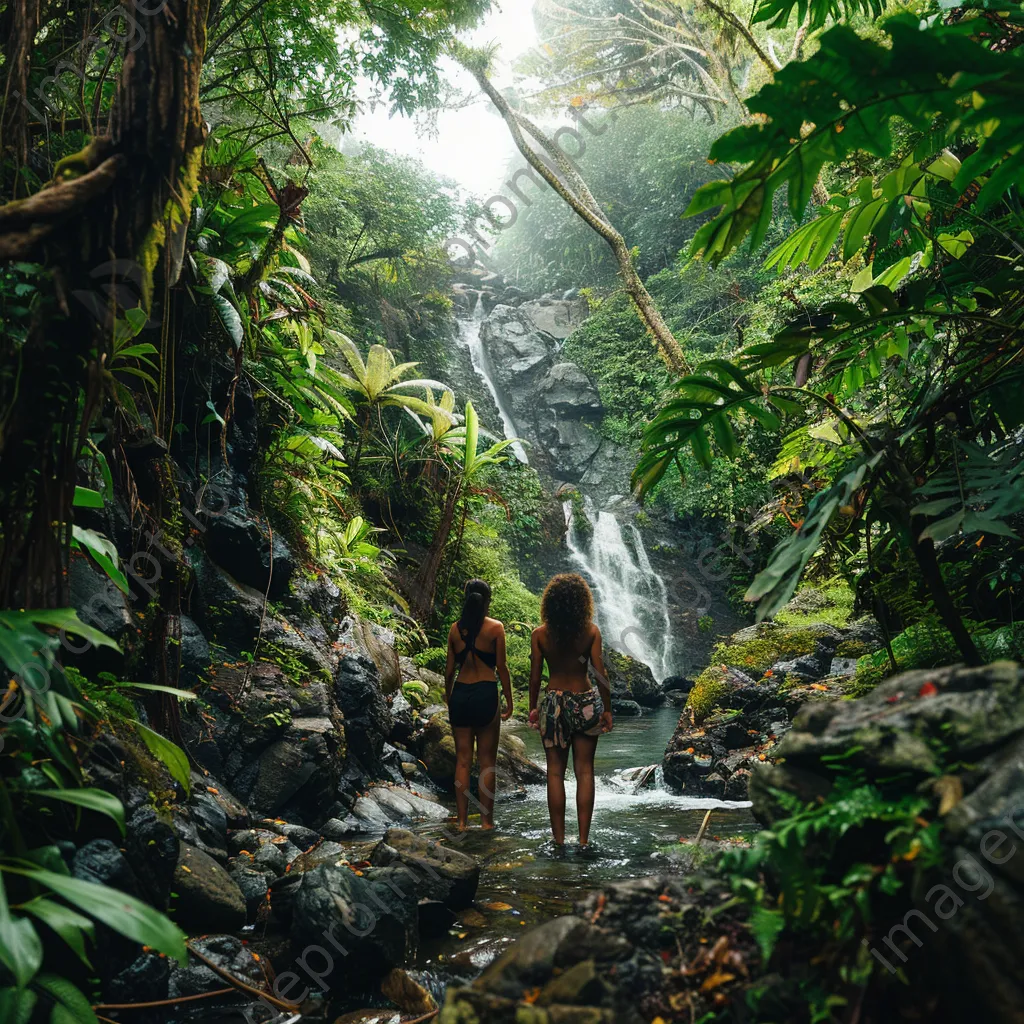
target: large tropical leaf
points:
(776, 583)
(707, 400)
(125, 914)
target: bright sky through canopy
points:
(472, 145)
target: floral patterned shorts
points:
(564, 714)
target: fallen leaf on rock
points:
(497, 905)
(951, 791)
(818, 686)
(531, 995)
(716, 980)
(928, 690)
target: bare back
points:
(490, 640)
(567, 662)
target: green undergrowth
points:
(928, 644)
(831, 603)
(830, 874)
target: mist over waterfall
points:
(631, 598)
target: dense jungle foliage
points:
(824, 201)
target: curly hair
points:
(567, 607)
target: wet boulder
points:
(208, 898)
(364, 927)
(242, 544)
(631, 679)
(435, 871)
(557, 318)
(956, 735)
(378, 644)
(626, 708)
(435, 747)
(357, 688)
(225, 953)
(573, 972)
(152, 847)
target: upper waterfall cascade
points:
(469, 333)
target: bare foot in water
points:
(487, 826)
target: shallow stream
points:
(523, 883)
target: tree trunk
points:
(576, 194)
(110, 214)
(924, 552)
(426, 579)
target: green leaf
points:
(169, 753)
(127, 915)
(16, 1005)
(766, 926)
(91, 799)
(71, 926)
(86, 497)
(230, 318)
(71, 1006)
(21, 950)
(103, 552)
(156, 688)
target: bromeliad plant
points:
(899, 400)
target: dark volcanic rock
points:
(102, 862)
(208, 899)
(367, 926)
(948, 731)
(367, 718)
(241, 544)
(152, 847)
(437, 872)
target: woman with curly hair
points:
(573, 713)
(476, 655)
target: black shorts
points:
(473, 704)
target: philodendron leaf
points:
(21, 950)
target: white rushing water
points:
(469, 333)
(631, 598)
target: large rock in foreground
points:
(956, 734)
(437, 872)
(632, 953)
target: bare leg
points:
(463, 766)
(583, 750)
(558, 759)
(487, 755)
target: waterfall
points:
(631, 598)
(469, 332)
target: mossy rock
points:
(708, 689)
(754, 650)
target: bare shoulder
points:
(454, 631)
(494, 625)
(595, 632)
(539, 633)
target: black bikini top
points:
(489, 658)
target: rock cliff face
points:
(554, 404)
